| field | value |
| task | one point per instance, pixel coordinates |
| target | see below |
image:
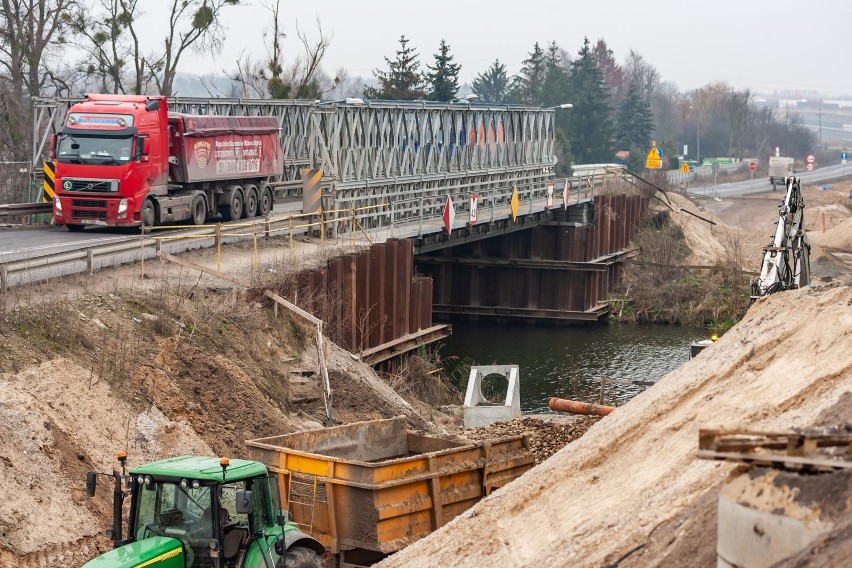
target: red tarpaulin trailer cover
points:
(224, 147)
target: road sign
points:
(474, 208)
(550, 187)
(811, 159)
(565, 194)
(844, 156)
(449, 215)
(752, 166)
(684, 167)
(810, 167)
(653, 160)
(514, 204)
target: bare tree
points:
(192, 24)
(107, 36)
(301, 78)
(29, 30)
(639, 72)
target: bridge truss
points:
(405, 157)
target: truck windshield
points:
(93, 150)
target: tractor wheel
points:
(76, 228)
(148, 214)
(250, 207)
(199, 210)
(301, 557)
(264, 206)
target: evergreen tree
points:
(590, 125)
(492, 85)
(403, 79)
(555, 91)
(634, 122)
(527, 84)
(443, 78)
(554, 88)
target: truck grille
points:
(88, 203)
(84, 214)
(90, 185)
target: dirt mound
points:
(838, 237)
(631, 490)
(156, 373)
(57, 421)
(709, 244)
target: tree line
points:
(615, 105)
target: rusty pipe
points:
(576, 407)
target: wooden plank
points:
(292, 307)
(781, 459)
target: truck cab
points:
(126, 161)
(110, 156)
(199, 512)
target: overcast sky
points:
(763, 45)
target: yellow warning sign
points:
(684, 168)
(311, 190)
(49, 184)
(653, 161)
(515, 204)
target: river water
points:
(563, 361)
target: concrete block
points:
(480, 412)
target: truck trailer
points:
(780, 168)
(126, 161)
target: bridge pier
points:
(559, 271)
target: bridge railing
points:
(423, 214)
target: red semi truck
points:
(125, 161)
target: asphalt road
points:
(29, 243)
(760, 183)
(20, 244)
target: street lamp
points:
(697, 136)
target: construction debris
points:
(547, 436)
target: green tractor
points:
(194, 512)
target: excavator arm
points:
(786, 261)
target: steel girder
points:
(384, 150)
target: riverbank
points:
(697, 259)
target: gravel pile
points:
(546, 436)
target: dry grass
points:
(420, 378)
(661, 291)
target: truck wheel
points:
(199, 210)
(148, 214)
(301, 557)
(250, 208)
(264, 205)
(233, 210)
(76, 228)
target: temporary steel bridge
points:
(369, 152)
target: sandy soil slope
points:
(632, 482)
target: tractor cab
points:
(199, 512)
